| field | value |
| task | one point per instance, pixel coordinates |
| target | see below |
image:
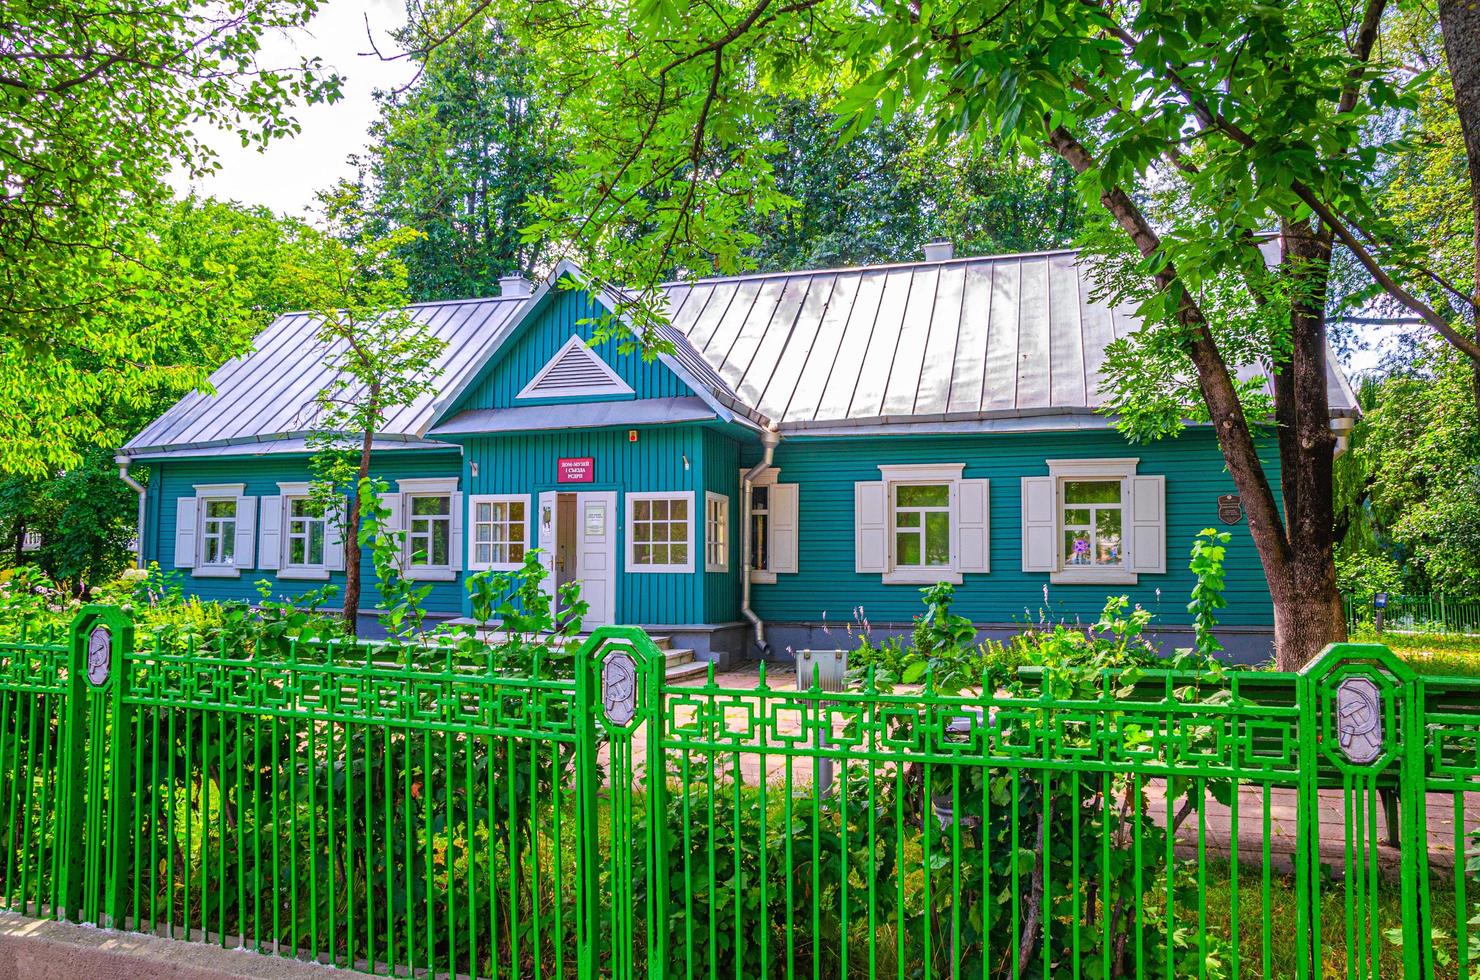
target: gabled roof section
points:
(575, 372)
(685, 363)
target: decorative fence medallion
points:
(619, 689)
(1359, 719)
(99, 655)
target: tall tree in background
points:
(455, 156)
(1259, 115)
(382, 359)
(98, 101)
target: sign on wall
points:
(1230, 508)
(581, 469)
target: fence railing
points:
(1415, 614)
(458, 818)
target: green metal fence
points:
(1416, 613)
(456, 818)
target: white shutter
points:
(870, 543)
(1040, 524)
(973, 527)
(455, 545)
(334, 517)
(270, 531)
(782, 548)
(392, 503)
(186, 511)
(1148, 524)
(246, 533)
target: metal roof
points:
(948, 345)
(270, 390)
(960, 340)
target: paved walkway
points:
(1217, 819)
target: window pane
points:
(660, 510)
(1076, 548)
(642, 509)
(483, 553)
(441, 542)
(909, 518)
(937, 539)
(298, 507)
(516, 552)
(642, 554)
(516, 511)
(642, 532)
(431, 505)
(516, 531)
(316, 543)
(482, 532)
(221, 508)
(907, 549)
(758, 541)
(483, 511)
(1107, 537)
(212, 550)
(660, 554)
(760, 498)
(938, 495)
(678, 554)
(1092, 492)
(1077, 517)
(228, 539)
(678, 510)
(296, 552)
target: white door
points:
(596, 555)
(545, 537)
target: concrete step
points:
(677, 658)
(662, 642)
(687, 670)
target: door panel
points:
(545, 537)
(596, 514)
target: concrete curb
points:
(36, 949)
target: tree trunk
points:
(352, 537)
(1296, 551)
(1459, 20)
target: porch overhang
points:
(578, 415)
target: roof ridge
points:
(880, 266)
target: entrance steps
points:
(679, 662)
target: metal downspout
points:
(138, 488)
(769, 438)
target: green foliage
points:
(84, 518)
(1208, 551)
(400, 608)
(1363, 573)
(1422, 451)
(104, 309)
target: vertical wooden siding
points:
(541, 338)
(172, 480)
(827, 588)
(526, 463)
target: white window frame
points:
(492, 500)
(687, 496)
(931, 474)
(205, 495)
(221, 536)
(427, 487)
(716, 532)
(765, 481)
(290, 492)
(1063, 471)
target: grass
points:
(1443, 654)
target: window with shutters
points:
(1094, 521)
(575, 371)
(921, 524)
(218, 531)
(771, 537)
(760, 529)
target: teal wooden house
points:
(816, 447)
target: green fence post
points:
(96, 733)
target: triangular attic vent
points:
(573, 372)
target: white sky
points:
(287, 174)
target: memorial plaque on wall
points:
(1230, 509)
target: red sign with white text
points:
(579, 470)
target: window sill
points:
(501, 567)
(430, 575)
(922, 576)
(661, 569)
(1085, 576)
(307, 574)
(216, 571)
(759, 577)
(717, 569)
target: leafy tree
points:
(98, 102)
(381, 359)
(455, 156)
(83, 519)
(1252, 115)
